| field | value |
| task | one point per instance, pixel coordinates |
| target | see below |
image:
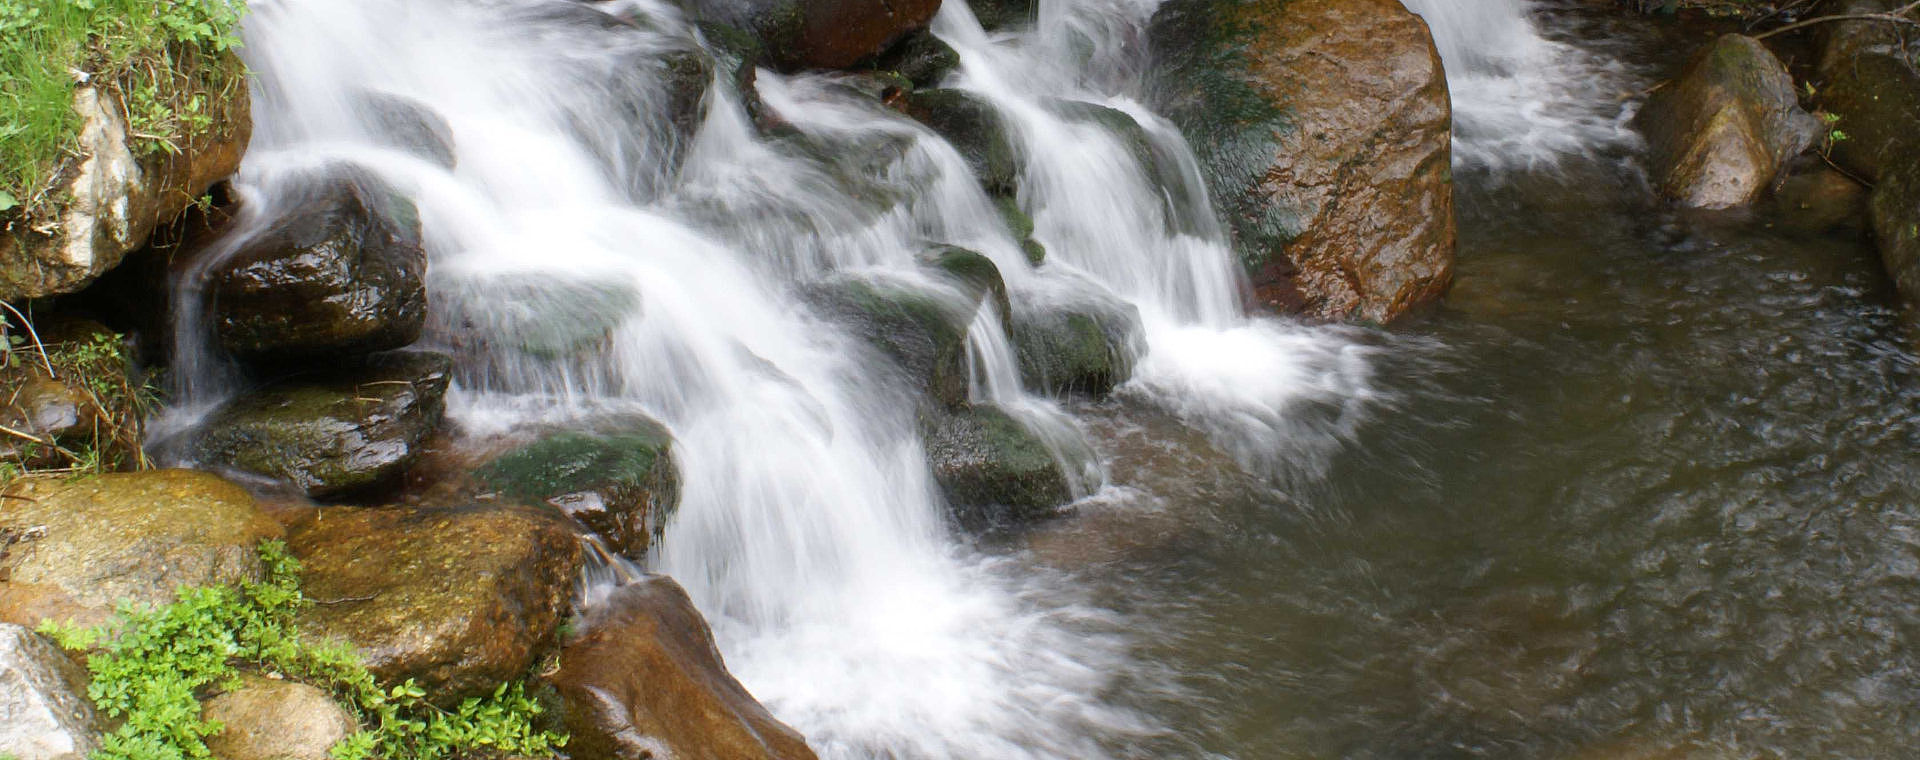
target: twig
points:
(42, 347)
(346, 599)
(1898, 16)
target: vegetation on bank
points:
(153, 54)
(109, 398)
(151, 666)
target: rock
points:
(333, 434)
(340, 274)
(408, 125)
(544, 317)
(460, 598)
(923, 59)
(1896, 225)
(1818, 199)
(117, 188)
(974, 128)
(644, 680)
(43, 700)
(267, 719)
(1323, 131)
(923, 331)
(994, 471)
(1719, 134)
(1000, 14)
(817, 34)
(1021, 227)
(91, 405)
(1081, 341)
(73, 550)
(975, 274)
(1160, 167)
(618, 481)
(1871, 87)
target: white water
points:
(810, 532)
(1520, 99)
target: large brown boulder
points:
(72, 550)
(1874, 87)
(461, 599)
(643, 679)
(817, 34)
(1323, 128)
(44, 711)
(268, 719)
(1719, 134)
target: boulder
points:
(539, 317)
(974, 127)
(923, 59)
(459, 598)
(817, 34)
(1872, 86)
(974, 273)
(333, 434)
(1896, 224)
(269, 719)
(117, 188)
(92, 404)
(1323, 131)
(642, 679)
(1718, 135)
(1000, 14)
(1080, 342)
(993, 470)
(1817, 198)
(72, 550)
(923, 331)
(340, 273)
(618, 480)
(407, 125)
(1021, 227)
(43, 700)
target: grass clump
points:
(151, 666)
(160, 57)
(112, 399)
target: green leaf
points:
(7, 201)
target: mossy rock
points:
(974, 128)
(332, 435)
(922, 59)
(976, 275)
(408, 125)
(1084, 345)
(546, 318)
(923, 332)
(993, 470)
(1020, 225)
(995, 15)
(618, 480)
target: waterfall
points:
(1520, 98)
(809, 531)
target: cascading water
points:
(809, 530)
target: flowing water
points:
(1644, 482)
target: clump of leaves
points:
(152, 664)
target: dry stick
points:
(1897, 17)
(28, 323)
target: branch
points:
(1897, 17)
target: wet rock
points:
(1079, 342)
(1896, 225)
(619, 480)
(817, 34)
(1323, 132)
(1159, 166)
(90, 404)
(644, 680)
(923, 331)
(341, 273)
(408, 125)
(73, 550)
(1021, 226)
(923, 59)
(1872, 86)
(1000, 14)
(976, 275)
(1819, 199)
(268, 719)
(333, 434)
(117, 188)
(543, 317)
(460, 598)
(43, 698)
(975, 129)
(1719, 134)
(993, 470)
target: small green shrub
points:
(151, 666)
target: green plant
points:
(152, 664)
(112, 400)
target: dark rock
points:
(1021, 226)
(1896, 225)
(1083, 342)
(1817, 198)
(73, 550)
(923, 332)
(335, 434)
(461, 599)
(923, 59)
(974, 128)
(43, 696)
(994, 471)
(1000, 14)
(409, 125)
(975, 274)
(550, 318)
(817, 34)
(268, 719)
(1323, 131)
(1872, 86)
(621, 485)
(340, 274)
(1718, 135)
(644, 680)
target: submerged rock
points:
(619, 480)
(1083, 342)
(43, 700)
(974, 128)
(334, 434)
(117, 187)
(461, 598)
(73, 550)
(268, 719)
(643, 680)
(922, 331)
(1000, 14)
(1719, 134)
(993, 470)
(817, 34)
(1323, 130)
(408, 125)
(1818, 198)
(341, 273)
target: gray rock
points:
(1719, 134)
(44, 712)
(267, 719)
